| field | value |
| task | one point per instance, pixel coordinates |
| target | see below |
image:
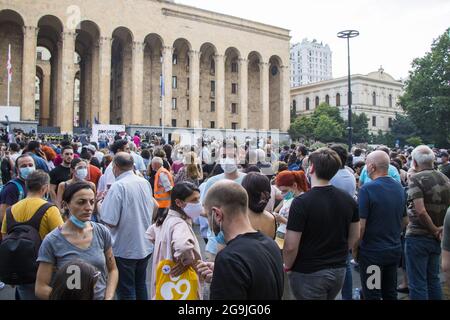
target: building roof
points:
(376, 76)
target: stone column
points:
(54, 63)
(194, 88)
(67, 79)
(264, 92)
(83, 112)
(95, 82)
(220, 90)
(88, 88)
(243, 92)
(137, 83)
(29, 73)
(104, 79)
(166, 116)
(285, 116)
(45, 96)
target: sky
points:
(392, 32)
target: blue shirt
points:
(128, 207)
(39, 162)
(383, 204)
(393, 173)
(345, 181)
(211, 246)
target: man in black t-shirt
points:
(250, 267)
(322, 225)
(62, 172)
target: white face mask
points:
(193, 210)
(229, 165)
(82, 173)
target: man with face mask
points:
(230, 167)
(127, 210)
(250, 267)
(15, 190)
(29, 210)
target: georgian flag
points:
(8, 65)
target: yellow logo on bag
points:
(183, 287)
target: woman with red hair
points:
(292, 184)
(50, 155)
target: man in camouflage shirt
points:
(428, 201)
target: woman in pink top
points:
(137, 140)
(174, 231)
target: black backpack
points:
(20, 248)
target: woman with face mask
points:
(78, 172)
(173, 236)
(78, 238)
(292, 184)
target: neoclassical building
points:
(144, 62)
(376, 94)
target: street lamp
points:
(347, 34)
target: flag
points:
(8, 65)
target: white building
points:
(375, 94)
(310, 62)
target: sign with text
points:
(105, 132)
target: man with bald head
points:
(428, 201)
(250, 267)
(382, 210)
(127, 210)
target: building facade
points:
(375, 94)
(310, 62)
(145, 62)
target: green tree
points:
(414, 141)
(360, 124)
(325, 124)
(302, 127)
(403, 128)
(427, 93)
(327, 129)
(329, 111)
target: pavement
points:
(8, 292)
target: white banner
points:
(13, 113)
(105, 131)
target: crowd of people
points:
(275, 221)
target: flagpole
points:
(163, 97)
(9, 75)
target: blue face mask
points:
(220, 238)
(78, 223)
(25, 172)
(289, 196)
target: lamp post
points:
(347, 34)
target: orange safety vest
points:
(161, 196)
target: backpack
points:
(20, 247)
(19, 187)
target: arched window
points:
(317, 102)
(307, 104)
(374, 98)
(338, 100)
(327, 99)
(390, 101)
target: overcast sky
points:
(392, 32)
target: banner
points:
(105, 132)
